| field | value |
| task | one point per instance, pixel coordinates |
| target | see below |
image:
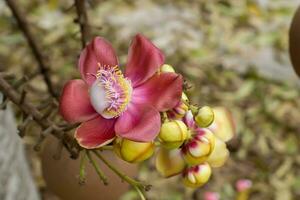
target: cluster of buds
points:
(201, 148)
(191, 142)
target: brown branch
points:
(38, 117)
(83, 21)
(23, 25)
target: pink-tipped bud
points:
(243, 185)
(198, 149)
(196, 176)
(211, 196)
(132, 151)
(223, 126)
(219, 155)
(172, 134)
(169, 162)
(179, 111)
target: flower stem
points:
(194, 109)
(138, 186)
(82, 168)
(140, 193)
(165, 117)
(157, 143)
(97, 168)
(110, 148)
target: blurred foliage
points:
(233, 53)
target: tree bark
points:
(15, 179)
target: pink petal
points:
(188, 119)
(95, 133)
(140, 123)
(98, 51)
(75, 103)
(163, 91)
(144, 60)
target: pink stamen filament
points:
(118, 89)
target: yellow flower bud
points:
(132, 151)
(223, 125)
(204, 117)
(167, 68)
(219, 155)
(179, 111)
(196, 176)
(169, 162)
(198, 149)
(172, 134)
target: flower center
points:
(111, 92)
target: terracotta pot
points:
(294, 42)
(61, 176)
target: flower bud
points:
(211, 196)
(223, 126)
(243, 184)
(243, 187)
(198, 149)
(179, 111)
(219, 155)
(196, 176)
(204, 117)
(132, 151)
(172, 134)
(167, 68)
(169, 162)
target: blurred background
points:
(234, 53)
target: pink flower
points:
(211, 196)
(109, 103)
(243, 184)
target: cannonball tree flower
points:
(109, 103)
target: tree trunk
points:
(15, 179)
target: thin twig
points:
(26, 79)
(23, 94)
(83, 21)
(36, 50)
(22, 127)
(37, 146)
(7, 75)
(37, 116)
(47, 113)
(70, 126)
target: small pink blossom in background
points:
(110, 103)
(243, 184)
(211, 196)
